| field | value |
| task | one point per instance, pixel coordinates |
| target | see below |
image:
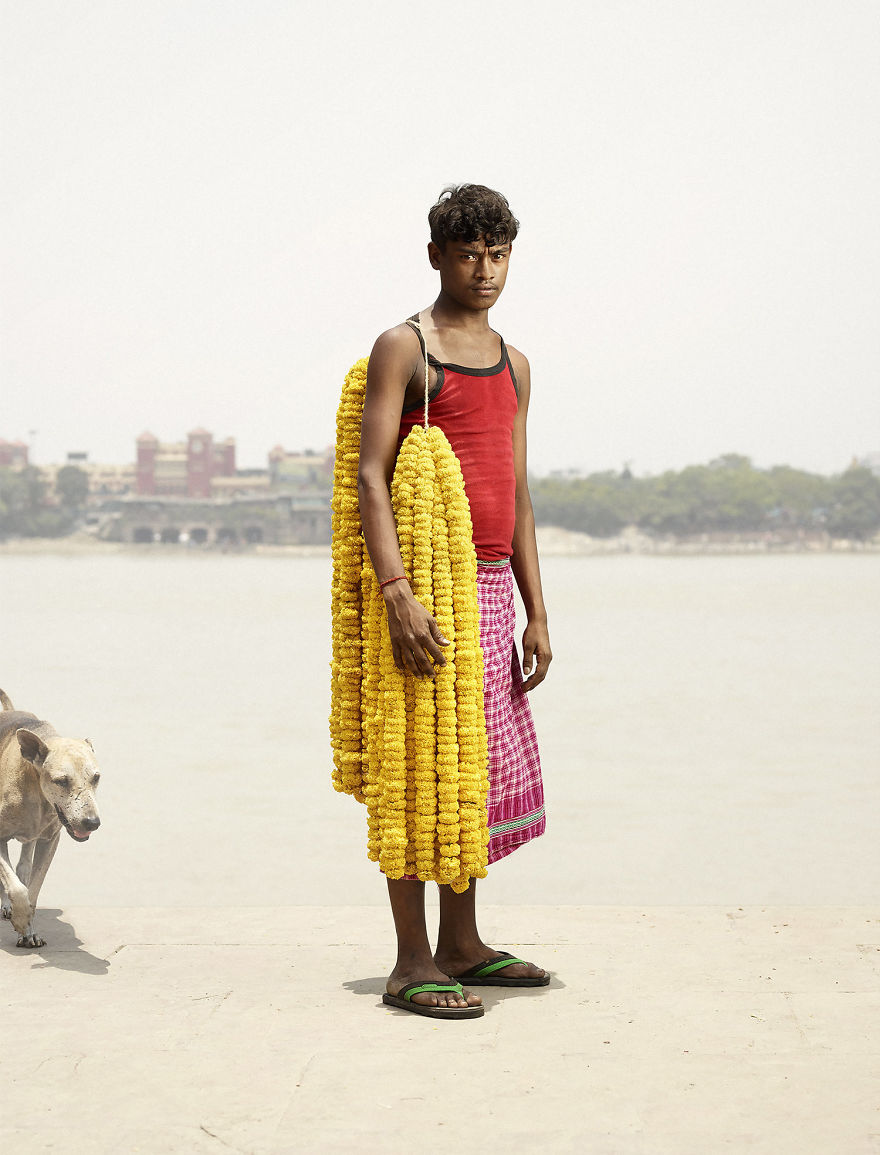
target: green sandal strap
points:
(490, 968)
(428, 988)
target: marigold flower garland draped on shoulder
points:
(412, 749)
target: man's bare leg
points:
(459, 946)
(415, 963)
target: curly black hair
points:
(471, 212)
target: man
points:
(479, 394)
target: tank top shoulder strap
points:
(429, 360)
(413, 323)
(505, 357)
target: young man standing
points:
(479, 395)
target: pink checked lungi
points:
(516, 791)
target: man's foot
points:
(404, 999)
(494, 969)
(397, 980)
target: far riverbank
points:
(552, 542)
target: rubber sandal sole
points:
(474, 978)
(433, 1012)
(492, 982)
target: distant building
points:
(271, 519)
(104, 480)
(13, 454)
(182, 469)
(246, 482)
(301, 471)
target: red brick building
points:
(13, 454)
(182, 469)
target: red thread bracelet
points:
(400, 578)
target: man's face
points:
(472, 272)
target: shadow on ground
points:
(374, 987)
(63, 950)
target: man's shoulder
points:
(397, 341)
(396, 354)
(518, 361)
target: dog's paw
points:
(31, 941)
(22, 915)
(6, 910)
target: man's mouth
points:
(76, 835)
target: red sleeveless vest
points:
(475, 408)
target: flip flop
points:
(484, 974)
(403, 999)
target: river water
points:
(709, 729)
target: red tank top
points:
(475, 408)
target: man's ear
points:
(33, 749)
(434, 255)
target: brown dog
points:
(46, 782)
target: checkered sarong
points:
(516, 792)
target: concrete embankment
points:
(665, 1031)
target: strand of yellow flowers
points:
(412, 749)
(346, 597)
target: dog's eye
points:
(96, 778)
(63, 782)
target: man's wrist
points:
(395, 588)
(401, 577)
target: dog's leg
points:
(5, 904)
(26, 862)
(24, 870)
(40, 859)
(19, 902)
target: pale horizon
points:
(210, 210)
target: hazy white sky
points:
(211, 208)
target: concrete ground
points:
(666, 1031)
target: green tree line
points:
(727, 495)
(28, 509)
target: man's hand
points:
(415, 636)
(536, 647)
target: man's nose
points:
(484, 268)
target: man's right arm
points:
(415, 636)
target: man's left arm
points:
(536, 638)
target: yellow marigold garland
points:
(412, 749)
(347, 600)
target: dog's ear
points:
(34, 749)
(88, 742)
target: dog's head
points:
(68, 778)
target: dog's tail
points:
(6, 701)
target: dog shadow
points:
(63, 948)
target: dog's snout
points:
(90, 823)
